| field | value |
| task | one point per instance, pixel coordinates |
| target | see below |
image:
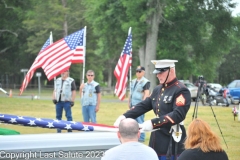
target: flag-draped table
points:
(53, 123)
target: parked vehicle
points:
(214, 97)
(216, 86)
(234, 90)
(193, 90)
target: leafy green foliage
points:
(198, 33)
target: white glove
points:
(119, 119)
(146, 126)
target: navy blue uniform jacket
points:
(170, 103)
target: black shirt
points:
(73, 87)
(170, 103)
(198, 154)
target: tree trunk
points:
(151, 41)
(141, 53)
(191, 78)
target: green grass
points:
(110, 109)
(47, 93)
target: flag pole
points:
(84, 53)
(130, 68)
(51, 42)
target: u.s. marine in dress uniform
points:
(170, 101)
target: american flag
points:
(54, 123)
(122, 67)
(58, 56)
(32, 69)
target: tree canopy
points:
(202, 35)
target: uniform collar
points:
(170, 83)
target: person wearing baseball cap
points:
(170, 102)
(139, 92)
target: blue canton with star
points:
(44, 122)
(75, 39)
(127, 48)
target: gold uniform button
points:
(154, 124)
(158, 104)
(162, 94)
(159, 99)
(162, 89)
(159, 122)
(153, 98)
(166, 85)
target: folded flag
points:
(54, 123)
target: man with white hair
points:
(130, 148)
(170, 101)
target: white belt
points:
(176, 134)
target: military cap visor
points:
(160, 70)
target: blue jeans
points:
(140, 120)
(88, 113)
(68, 112)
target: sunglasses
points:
(138, 71)
(90, 75)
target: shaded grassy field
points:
(110, 109)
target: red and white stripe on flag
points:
(78, 55)
(122, 68)
(56, 59)
(33, 68)
(58, 56)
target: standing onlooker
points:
(139, 92)
(130, 148)
(202, 143)
(64, 96)
(90, 98)
(170, 102)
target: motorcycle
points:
(221, 98)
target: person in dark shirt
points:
(63, 96)
(90, 95)
(202, 143)
(170, 102)
(139, 92)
